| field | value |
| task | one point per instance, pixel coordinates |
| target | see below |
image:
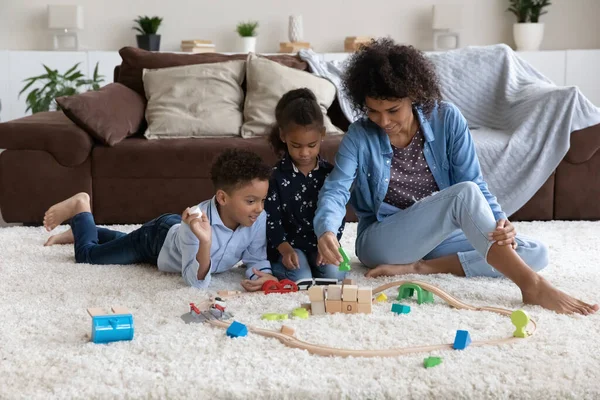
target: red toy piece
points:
(283, 286)
(194, 308)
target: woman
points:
(417, 187)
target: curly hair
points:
(236, 167)
(385, 70)
(299, 107)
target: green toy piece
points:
(520, 319)
(274, 316)
(432, 362)
(344, 265)
(408, 290)
(301, 313)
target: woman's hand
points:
(329, 249)
(505, 233)
(200, 226)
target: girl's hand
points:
(329, 249)
(504, 234)
(290, 260)
(200, 226)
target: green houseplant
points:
(56, 85)
(247, 32)
(528, 32)
(147, 27)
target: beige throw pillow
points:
(266, 82)
(202, 100)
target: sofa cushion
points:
(266, 82)
(202, 100)
(49, 131)
(135, 60)
(109, 114)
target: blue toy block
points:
(112, 328)
(462, 340)
(237, 329)
(400, 308)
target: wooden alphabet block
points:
(318, 308)
(334, 292)
(315, 293)
(349, 281)
(349, 307)
(365, 295)
(365, 308)
(350, 293)
(333, 306)
(306, 306)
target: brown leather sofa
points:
(49, 158)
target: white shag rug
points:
(45, 350)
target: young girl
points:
(294, 189)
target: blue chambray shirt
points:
(361, 172)
(246, 244)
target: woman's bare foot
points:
(62, 238)
(66, 209)
(398, 269)
(545, 295)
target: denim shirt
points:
(361, 172)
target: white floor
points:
(46, 353)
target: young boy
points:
(231, 227)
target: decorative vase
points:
(528, 36)
(248, 44)
(148, 42)
(295, 30)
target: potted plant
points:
(247, 32)
(528, 32)
(55, 85)
(147, 27)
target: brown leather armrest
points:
(584, 144)
(48, 131)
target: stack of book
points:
(293, 47)
(197, 46)
(353, 43)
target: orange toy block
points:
(349, 307)
(333, 306)
(365, 295)
(315, 293)
(318, 308)
(349, 293)
(288, 330)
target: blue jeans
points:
(308, 269)
(455, 220)
(95, 245)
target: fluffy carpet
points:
(46, 353)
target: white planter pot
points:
(248, 44)
(295, 29)
(528, 36)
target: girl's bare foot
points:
(544, 294)
(66, 209)
(398, 269)
(62, 238)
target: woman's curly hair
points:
(385, 70)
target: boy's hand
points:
(199, 226)
(255, 285)
(504, 234)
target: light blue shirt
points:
(246, 244)
(361, 172)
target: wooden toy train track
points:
(320, 350)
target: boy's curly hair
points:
(385, 70)
(236, 167)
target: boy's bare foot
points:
(66, 209)
(418, 267)
(545, 295)
(62, 238)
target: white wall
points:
(570, 24)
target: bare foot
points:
(398, 269)
(64, 210)
(62, 238)
(545, 295)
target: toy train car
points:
(108, 328)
